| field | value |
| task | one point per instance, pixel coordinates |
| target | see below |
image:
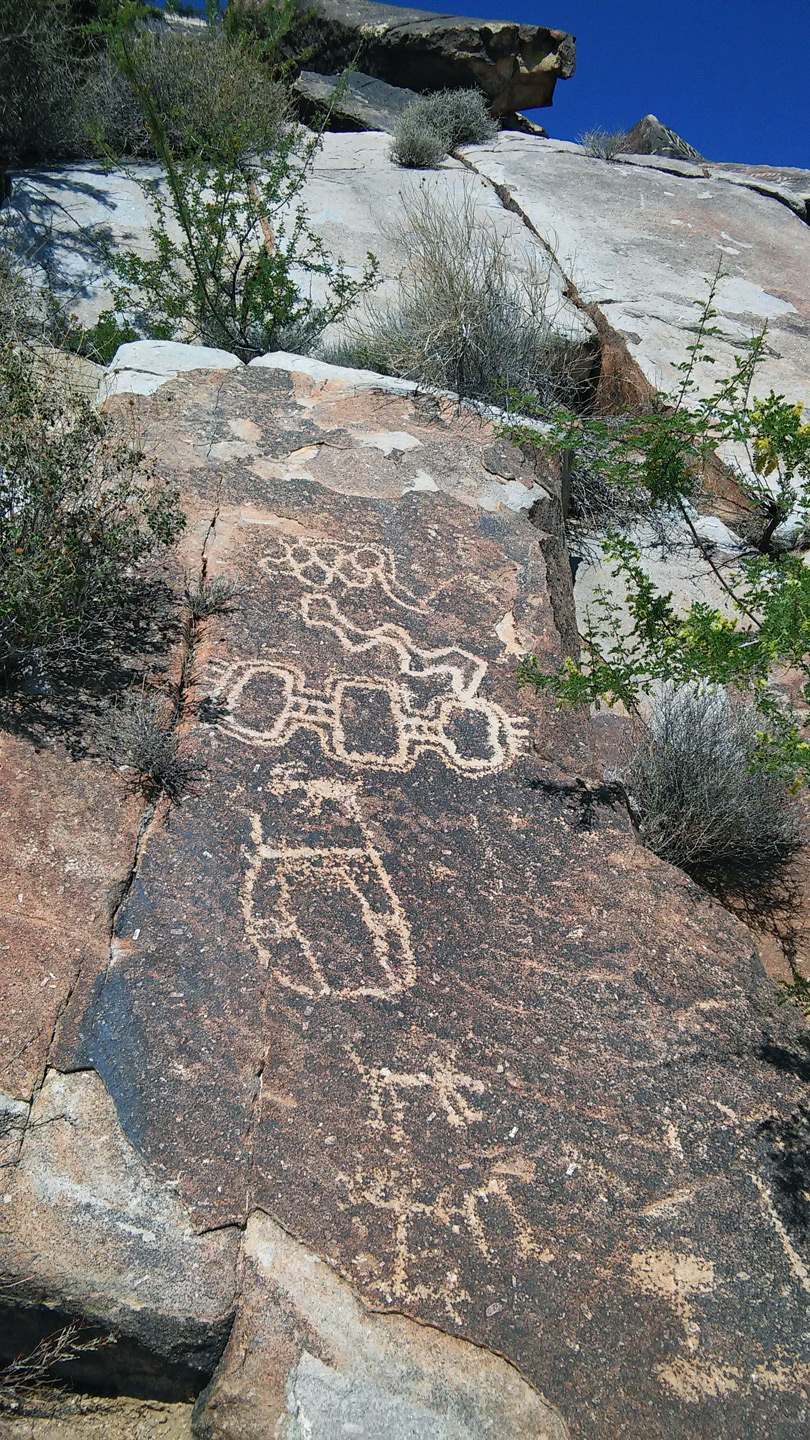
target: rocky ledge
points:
(516, 66)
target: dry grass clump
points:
(37, 1367)
(433, 125)
(699, 803)
(603, 144)
(141, 736)
(465, 319)
(206, 596)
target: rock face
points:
(385, 1085)
(641, 242)
(305, 1352)
(402, 1042)
(650, 137)
(516, 66)
(352, 102)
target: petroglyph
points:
(370, 720)
(389, 1091)
(318, 564)
(324, 918)
(677, 1279)
(416, 1213)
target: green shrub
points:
(79, 513)
(763, 629)
(464, 320)
(434, 124)
(234, 260)
(603, 144)
(214, 96)
(699, 803)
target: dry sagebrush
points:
(465, 319)
(698, 799)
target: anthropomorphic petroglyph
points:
(487, 1213)
(389, 1091)
(323, 917)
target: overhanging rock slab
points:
(397, 976)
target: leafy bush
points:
(697, 800)
(141, 736)
(435, 124)
(764, 631)
(40, 70)
(241, 274)
(213, 95)
(464, 320)
(603, 144)
(79, 512)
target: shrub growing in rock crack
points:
(603, 144)
(697, 799)
(464, 319)
(141, 736)
(435, 124)
(206, 597)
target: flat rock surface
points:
(354, 194)
(396, 975)
(643, 245)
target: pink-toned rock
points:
(67, 837)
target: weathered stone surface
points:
(396, 976)
(351, 102)
(516, 66)
(86, 1230)
(642, 245)
(67, 834)
(785, 183)
(141, 366)
(306, 1358)
(354, 195)
(650, 137)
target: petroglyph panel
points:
(367, 720)
(319, 565)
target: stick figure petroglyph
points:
(416, 1211)
(319, 564)
(389, 1090)
(430, 702)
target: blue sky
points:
(731, 76)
